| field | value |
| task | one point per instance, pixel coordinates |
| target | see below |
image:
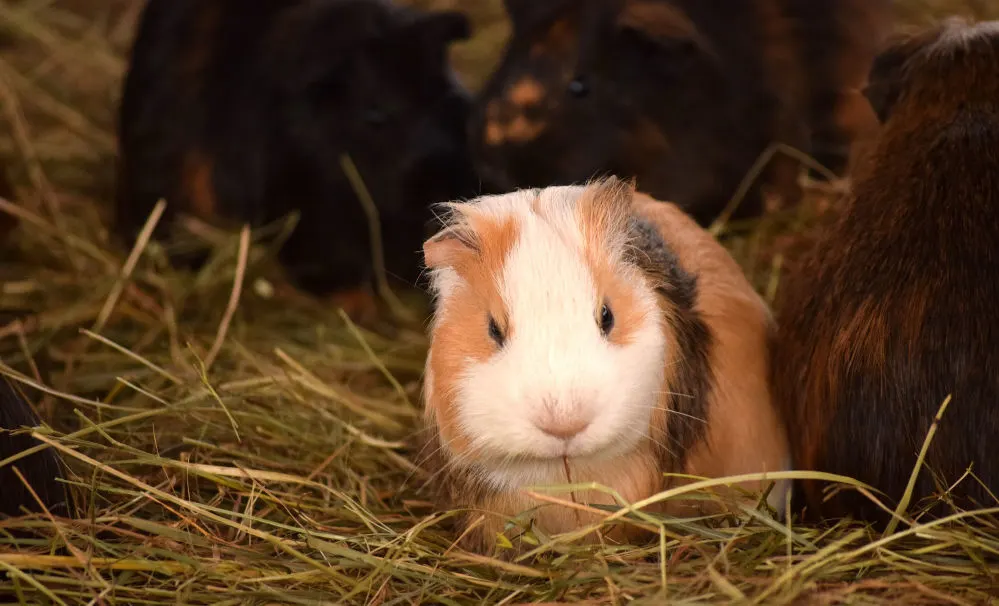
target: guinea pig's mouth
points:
(548, 450)
(535, 470)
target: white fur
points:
(556, 352)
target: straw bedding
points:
(230, 444)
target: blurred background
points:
(61, 62)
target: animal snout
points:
(562, 426)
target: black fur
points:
(650, 102)
(266, 95)
(692, 382)
(42, 470)
(684, 97)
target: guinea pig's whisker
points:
(418, 458)
(448, 467)
(672, 439)
(678, 413)
(441, 223)
(422, 456)
(674, 393)
(642, 431)
(422, 430)
(419, 463)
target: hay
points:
(228, 447)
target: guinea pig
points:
(239, 112)
(42, 470)
(589, 333)
(892, 310)
(682, 95)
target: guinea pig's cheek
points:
(617, 429)
(637, 390)
(492, 418)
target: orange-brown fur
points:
(509, 122)
(464, 316)
(613, 286)
(658, 19)
(559, 39)
(744, 433)
(527, 92)
(741, 418)
(197, 175)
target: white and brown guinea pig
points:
(595, 333)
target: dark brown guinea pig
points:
(41, 470)
(239, 110)
(682, 95)
(893, 310)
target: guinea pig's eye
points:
(494, 332)
(606, 319)
(578, 87)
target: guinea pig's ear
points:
(607, 205)
(450, 247)
(886, 78)
(659, 29)
(884, 83)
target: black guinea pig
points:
(238, 111)
(893, 309)
(42, 470)
(683, 95)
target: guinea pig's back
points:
(744, 432)
(892, 310)
(889, 314)
(189, 116)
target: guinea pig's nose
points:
(562, 428)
